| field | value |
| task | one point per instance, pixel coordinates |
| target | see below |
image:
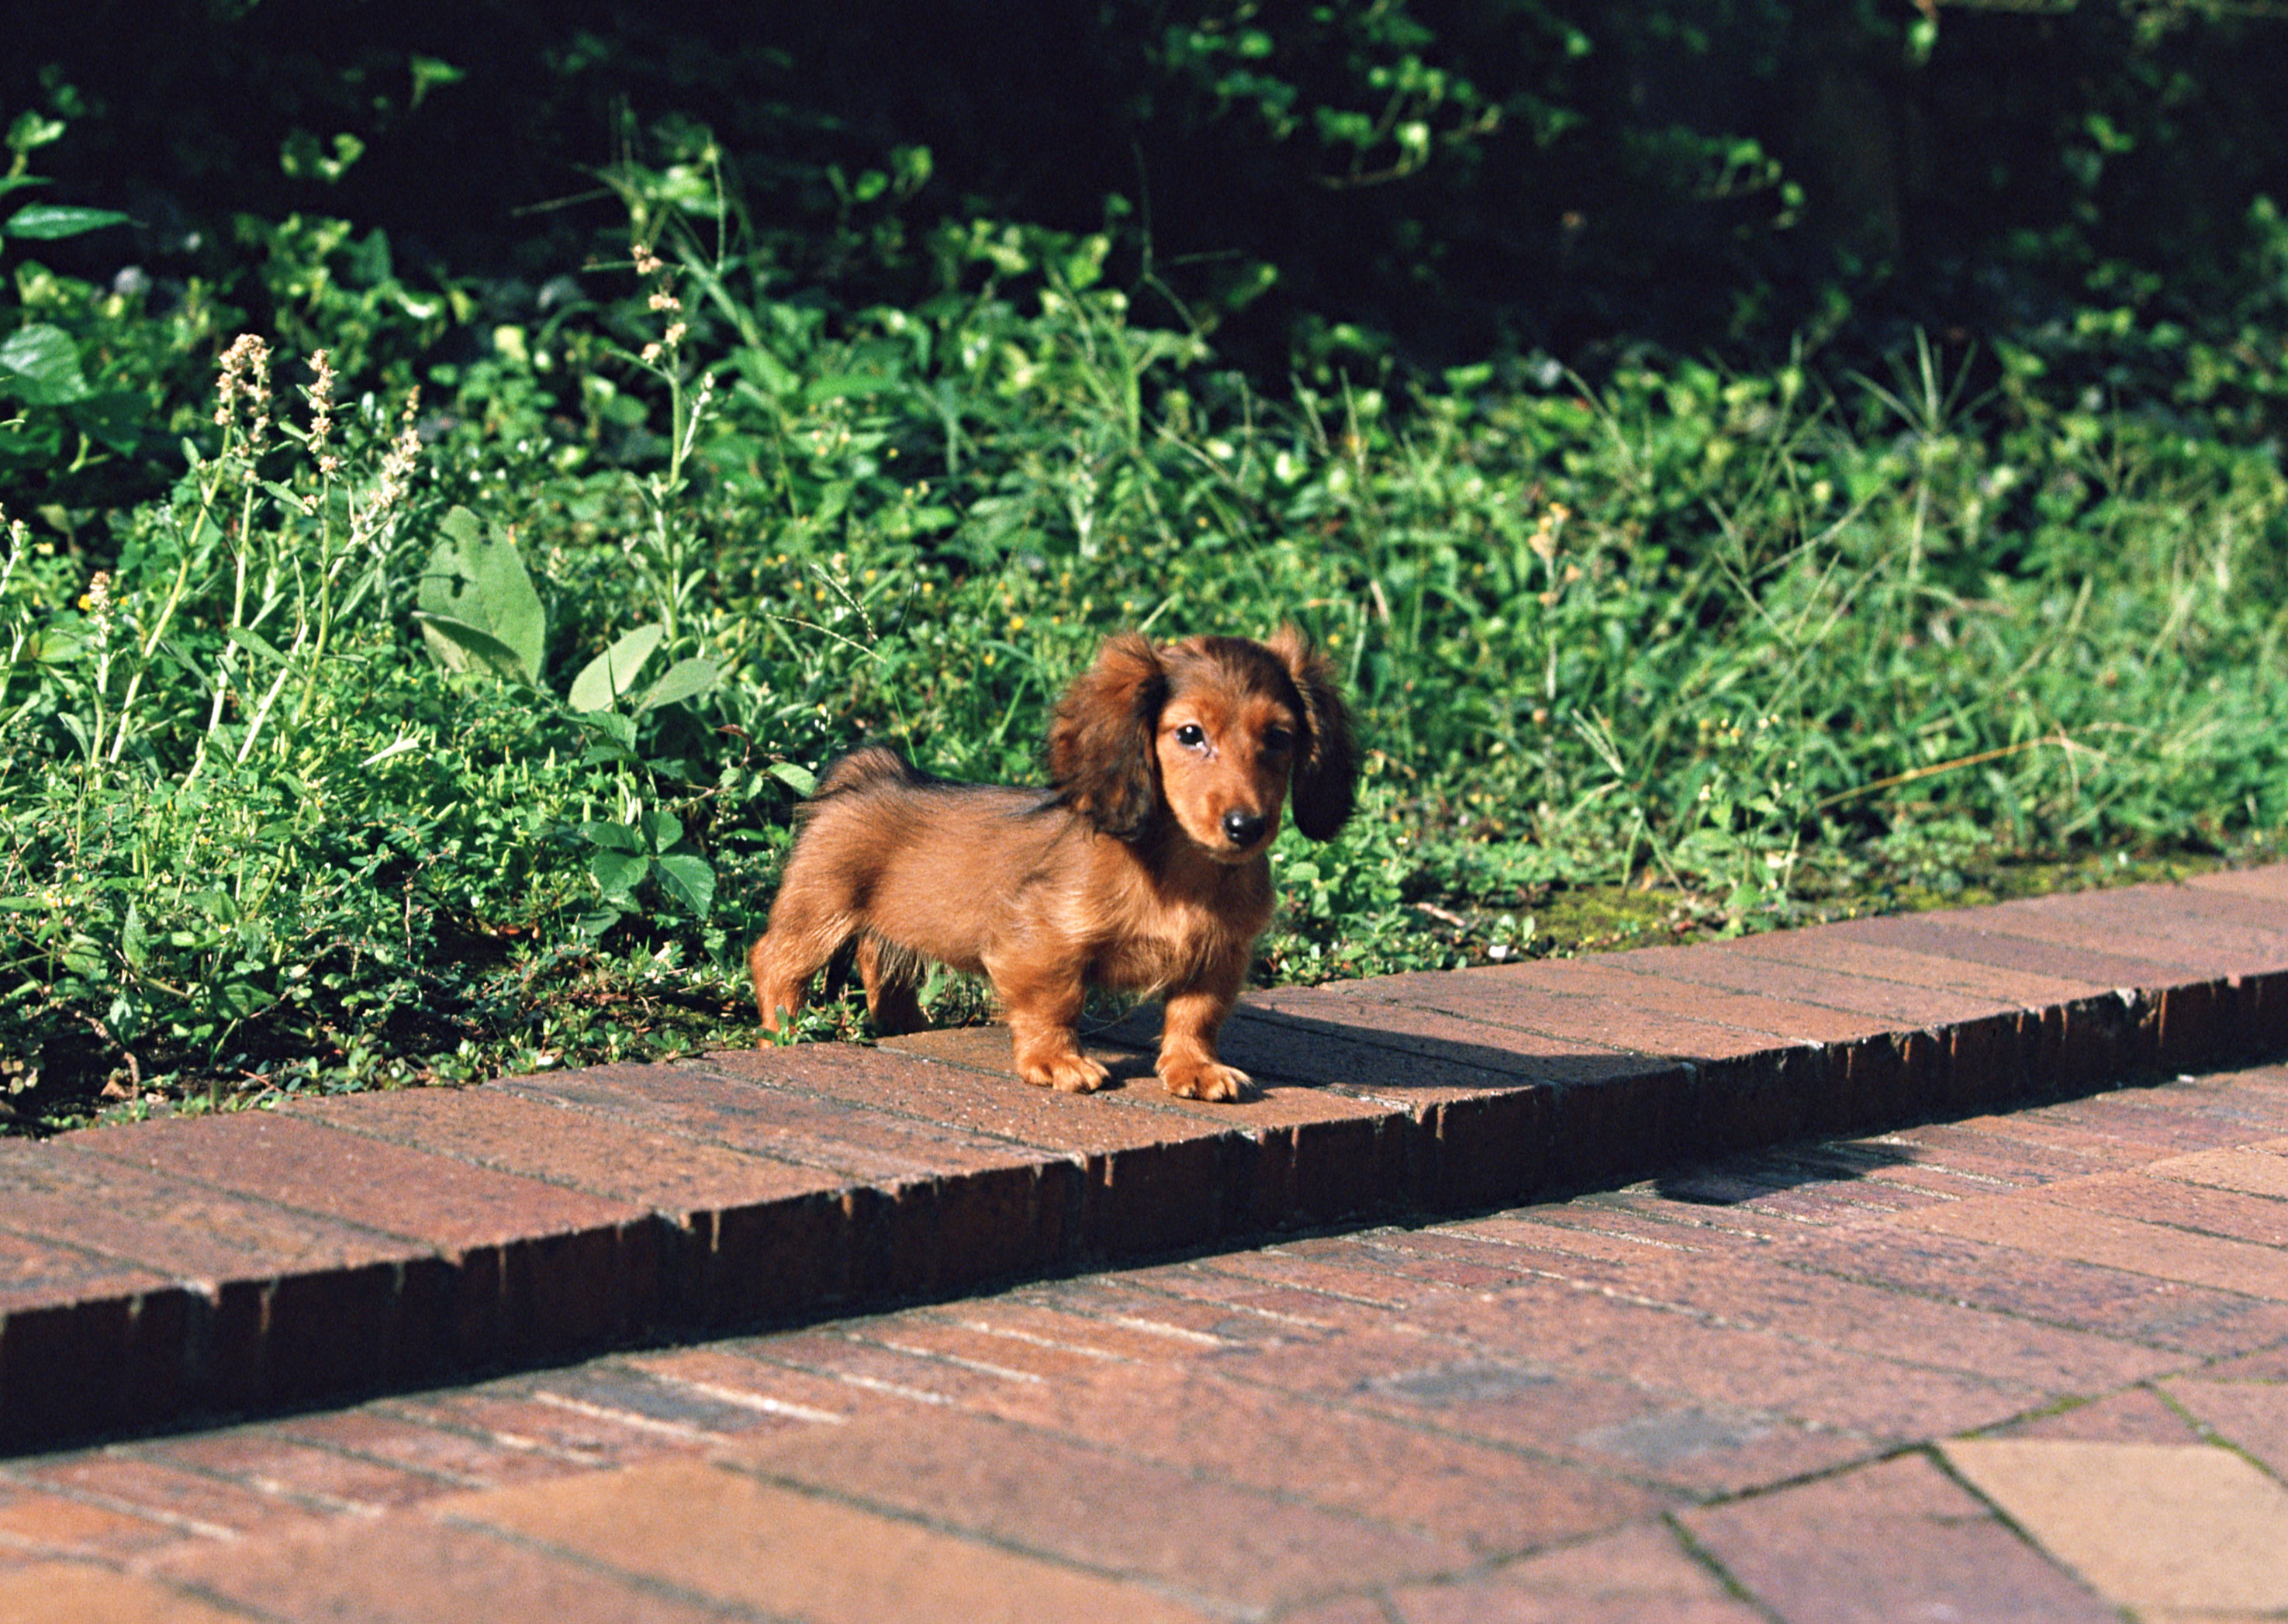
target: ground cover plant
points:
(444, 711)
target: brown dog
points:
(1143, 868)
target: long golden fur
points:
(1143, 867)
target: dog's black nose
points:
(1244, 828)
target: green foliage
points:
(395, 741)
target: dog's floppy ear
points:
(1326, 781)
(1101, 745)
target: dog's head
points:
(1213, 734)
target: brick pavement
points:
(2023, 1365)
(1656, 1392)
(156, 1273)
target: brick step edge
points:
(158, 1273)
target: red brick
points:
(723, 1537)
(86, 1353)
(1364, 1012)
(1925, 1048)
(2039, 1223)
(1980, 1159)
(1600, 1113)
(462, 1458)
(1892, 1541)
(1095, 1510)
(411, 1570)
(311, 1168)
(1126, 1048)
(946, 1335)
(190, 1502)
(294, 1304)
(38, 1523)
(571, 1437)
(1716, 1362)
(1761, 1293)
(2192, 913)
(1862, 952)
(2251, 1416)
(2195, 1320)
(732, 1374)
(1498, 1388)
(759, 1101)
(537, 1270)
(756, 1238)
(2135, 923)
(1143, 1301)
(2136, 1416)
(310, 1478)
(1635, 1575)
(676, 1411)
(533, 1138)
(2268, 884)
(1369, 1465)
(2257, 1219)
(1972, 936)
(1766, 1076)
(2269, 1365)
(935, 1208)
(2138, 1119)
(58, 1594)
(2077, 1148)
(858, 1356)
(1779, 972)
(1324, 1154)
(2093, 1039)
(1042, 1316)
(1117, 1181)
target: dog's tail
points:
(866, 767)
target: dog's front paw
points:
(1075, 1073)
(1204, 1079)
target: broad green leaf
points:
(40, 367)
(618, 873)
(615, 734)
(47, 222)
(664, 829)
(459, 647)
(689, 881)
(479, 582)
(612, 836)
(685, 679)
(595, 924)
(613, 672)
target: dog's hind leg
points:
(796, 947)
(890, 974)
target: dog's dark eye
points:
(1277, 740)
(1191, 735)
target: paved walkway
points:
(2023, 1360)
(2021, 1366)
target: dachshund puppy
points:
(1143, 867)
